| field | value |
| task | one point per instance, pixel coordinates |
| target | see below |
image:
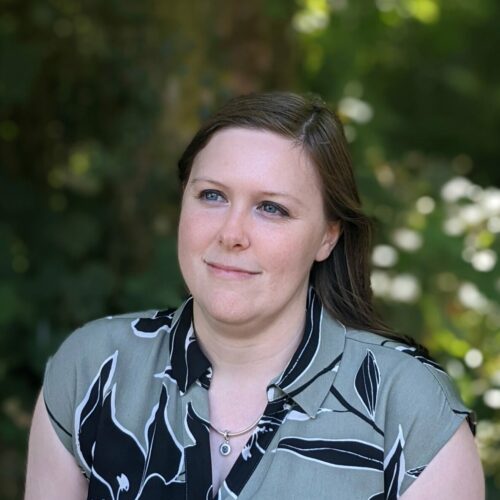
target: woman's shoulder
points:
(394, 351)
(404, 371)
(131, 341)
(123, 352)
(120, 331)
(406, 377)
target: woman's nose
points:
(233, 233)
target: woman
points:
(274, 379)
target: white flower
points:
(123, 483)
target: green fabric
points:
(416, 405)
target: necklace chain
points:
(229, 434)
(225, 447)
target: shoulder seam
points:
(443, 390)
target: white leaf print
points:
(297, 415)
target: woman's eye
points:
(211, 195)
(273, 209)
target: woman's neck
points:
(260, 350)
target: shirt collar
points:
(310, 373)
(306, 379)
(188, 362)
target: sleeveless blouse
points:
(353, 415)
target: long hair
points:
(342, 281)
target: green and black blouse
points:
(353, 416)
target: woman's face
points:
(252, 224)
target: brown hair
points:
(342, 281)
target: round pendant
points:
(225, 449)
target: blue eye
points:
(273, 209)
(211, 195)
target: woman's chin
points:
(228, 309)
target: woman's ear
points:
(330, 238)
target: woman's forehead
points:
(255, 155)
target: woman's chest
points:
(173, 454)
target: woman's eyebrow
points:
(262, 193)
(282, 195)
(206, 179)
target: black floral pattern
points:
(166, 454)
(419, 354)
(367, 383)
(351, 409)
(350, 454)
(198, 455)
(126, 470)
(394, 468)
(416, 471)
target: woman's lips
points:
(230, 271)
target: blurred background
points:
(98, 99)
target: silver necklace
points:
(225, 447)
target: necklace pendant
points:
(225, 448)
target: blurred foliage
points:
(97, 100)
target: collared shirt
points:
(353, 415)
